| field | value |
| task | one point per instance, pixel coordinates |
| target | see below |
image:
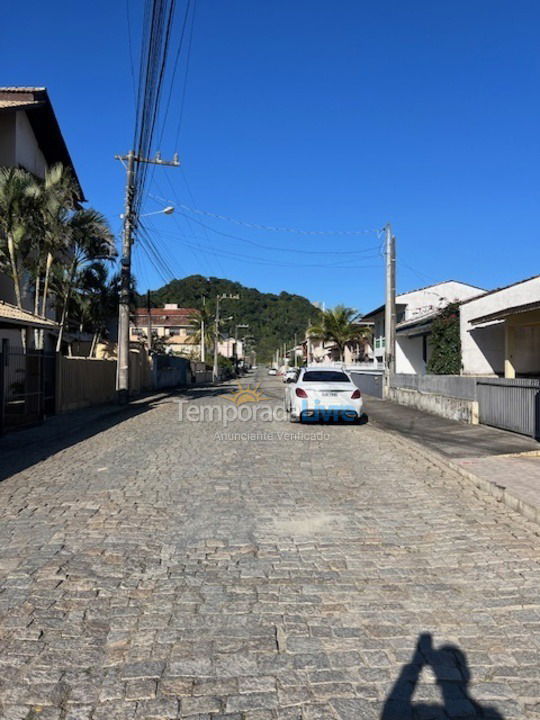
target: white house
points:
(415, 311)
(500, 331)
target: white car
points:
(290, 375)
(272, 371)
(323, 393)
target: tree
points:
(56, 197)
(89, 239)
(339, 326)
(445, 343)
(203, 318)
(17, 214)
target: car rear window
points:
(325, 376)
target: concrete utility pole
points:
(149, 321)
(129, 161)
(390, 304)
(216, 331)
(235, 354)
(295, 356)
(203, 332)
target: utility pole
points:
(235, 354)
(129, 161)
(390, 305)
(216, 331)
(295, 356)
(203, 332)
(149, 321)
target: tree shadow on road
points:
(21, 449)
(449, 665)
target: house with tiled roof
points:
(171, 323)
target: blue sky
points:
(317, 115)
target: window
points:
(325, 376)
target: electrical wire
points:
(296, 231)
(264, 246)
(175, 67)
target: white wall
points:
(482, 348)
(409, 355)
(436, 297)
(419, 303)
(27, 151)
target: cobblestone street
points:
(159, 569)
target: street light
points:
(164, 211)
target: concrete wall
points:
(482, 347)
(447, 407)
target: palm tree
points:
(92, 302)
(16, 221)
(339, 326)
(56, 196)
(203, 318)
(89, 239)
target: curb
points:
(499, 492)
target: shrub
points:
(445, 343)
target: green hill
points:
(273, 319)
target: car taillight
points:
(356, 395)
(300, 392)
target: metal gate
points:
(510, 404)
(27, 387)
(370, 383)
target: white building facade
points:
(415, 311)
(500, 331)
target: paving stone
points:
(230, 579)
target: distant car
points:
(253, 367)
(272, 371)
(290, 375)
(323, 394)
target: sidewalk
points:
(504, 464)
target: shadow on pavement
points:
(332, 420)
(449, 665)
(449, 437)
(21, 449)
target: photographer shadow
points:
(449, 665)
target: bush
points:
(445, 343)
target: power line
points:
(262, 261)
(296, 231)
(175, 67)
(262, 245)
(186, 74)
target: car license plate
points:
(329, 394)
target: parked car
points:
(290, 375)
(272, 371)
(323, 394)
